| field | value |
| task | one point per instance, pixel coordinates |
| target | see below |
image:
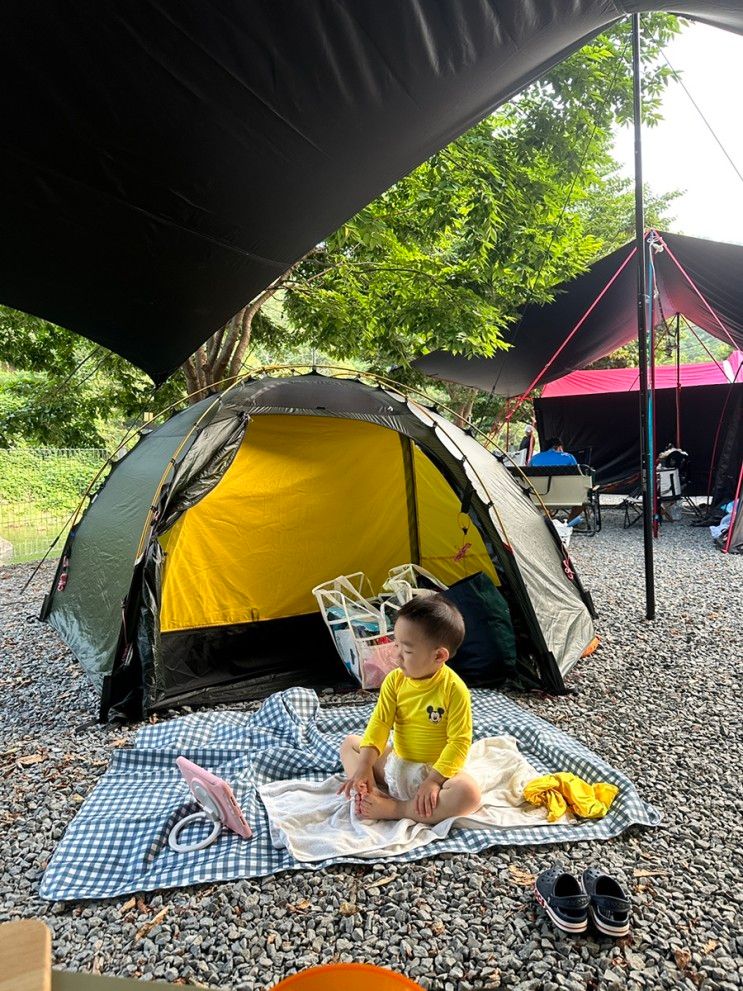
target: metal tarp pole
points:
(652, 408)
(678, 380)
(647, 468)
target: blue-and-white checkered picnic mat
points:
(118, 843)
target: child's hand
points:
(427, 797)
(362, 782)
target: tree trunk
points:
(464, 413)
(219, 361)
(462, 400)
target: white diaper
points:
(404, 777)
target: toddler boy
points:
(428, 707)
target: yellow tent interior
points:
(306, 499)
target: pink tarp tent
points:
(586, 383)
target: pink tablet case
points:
(219, 793)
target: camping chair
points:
(562, 487)
(591, 524)
(517, 458)
(668, 494)
(632, 507)
(668, 481)
(672, 482)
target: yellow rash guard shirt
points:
(431, 719)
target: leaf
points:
(643, 873)
(683, 958)
(438, 928)
(301, 906)
(128, 905)
(710, 945)
(523, 878)
(151, 923)
(387, 879)
(348, 908)
(31, 759)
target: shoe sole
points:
(567, 927)
(607, 930)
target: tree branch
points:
(191, 379)
(214, 343)
(246, 326)
(220, 365)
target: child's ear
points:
(442, 655)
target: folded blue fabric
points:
(118, 843)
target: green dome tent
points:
(189, 576)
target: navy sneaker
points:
(610, 904)
(563, 899)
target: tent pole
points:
(652, 409)
(647, 469)
(678, 380)
(735, 512)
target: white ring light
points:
(210, 812)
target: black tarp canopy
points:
(165, 160)
(703, 280)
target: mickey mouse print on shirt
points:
(435, 715)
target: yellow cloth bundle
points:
(559, 791)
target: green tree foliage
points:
(608, 211)
(696, 346)
(33, 482)
(60, 390)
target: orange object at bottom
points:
(343, 976)
(596, 642)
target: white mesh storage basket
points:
(362, 630)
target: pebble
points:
(658, 699)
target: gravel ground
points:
(658, 700)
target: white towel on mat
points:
(310, 820)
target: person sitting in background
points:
(527, 441)
(552, 455)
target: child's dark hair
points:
(440, 620)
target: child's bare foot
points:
(358, 795)
(375, 805)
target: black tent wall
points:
(609, 424)
(729, 455)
